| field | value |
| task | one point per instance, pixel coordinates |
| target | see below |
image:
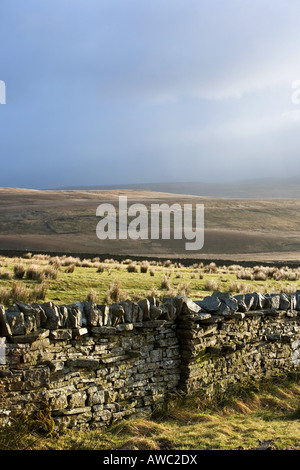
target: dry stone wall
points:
(94, 364)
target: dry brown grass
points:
(19, 271)
(19, 292)
(132, 268)
(166, 282)
(114, 292)
(184, 289)
(92, 296)
(239, 287)
(212, 285)
(5, 275)
(70, 268)
(144, 267)
(34, 273)
(100, 268)
(50, 272)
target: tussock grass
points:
(165, 282)
(132, 268)
(184, 289)
(114, 292)
(19, 271)
(144, 267)
(212, 285)
(92, 296)
(21, 293)
(33, 272)
(70, 268)
(50, 272)
(4, 296)
(100, 268)
(6, 275)
(70, 278)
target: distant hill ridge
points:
(260, 188)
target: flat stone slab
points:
(84, 363)
(150, 324)
(62, 334)
(30, 337)
(210, 304)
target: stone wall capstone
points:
(94, 364)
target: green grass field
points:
(67, 279)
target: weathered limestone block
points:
(78, 332)
(242, 307)
(74, 319)
(58, 402)
(91, 313)
(188, 306)
(40, 315)
(247, 302)
(95, 396)
(169, 311)
(2, 352)
(153, 300)
(228, 304)
(84, 363)
(285, 302)
(145, 306)
(35, 378)
(156, 355)
(5, 329)
(77, 400)
(63, 314)
(183, 305)
(16, 322)
(117, 314)
(261, 301)
(33, 315)
(81, 309)
(224, 309)
(53, 316)
(272, 301)
(210, 304)
(133, 311)
(63, 334)
(104, 318)
(155, 312)
(297, 297)
(254, 301)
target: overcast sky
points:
(131, 91)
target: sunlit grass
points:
(65, 285)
